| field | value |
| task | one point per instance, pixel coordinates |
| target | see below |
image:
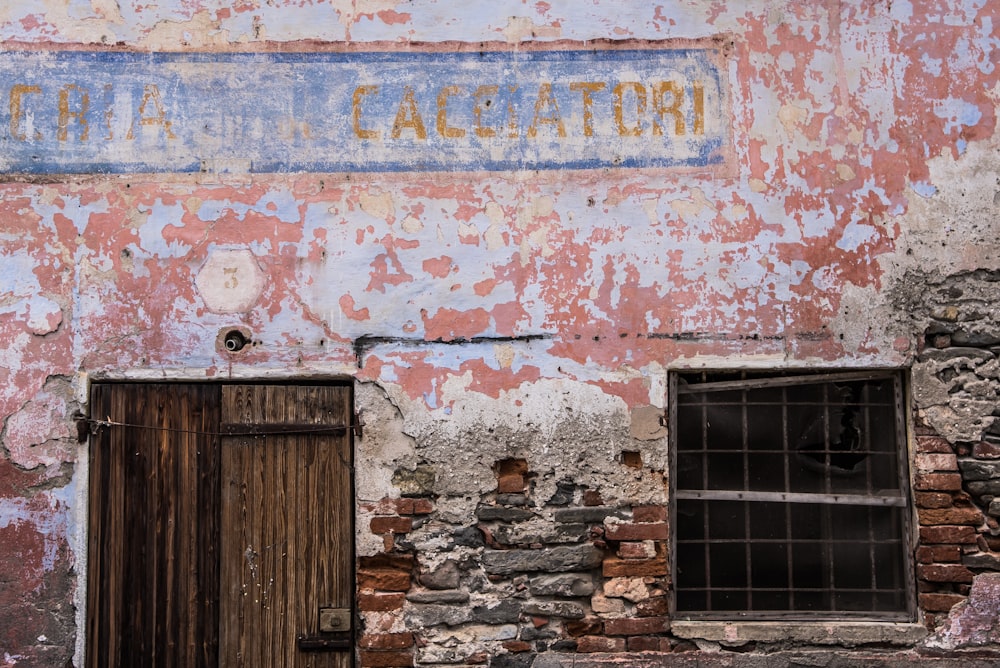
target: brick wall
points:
(532, 574)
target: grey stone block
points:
(454, 596)
(588, 514)
(504, 612)
(499, 513)
(551, 560)
(563, 609)
(568, 584)
(978, 469)
(422, 616)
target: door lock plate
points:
(333, 620)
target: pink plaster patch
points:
(483, 288)
(347, 306)
(389, 17)
(38, 434)
(438, 267)
(449, 324)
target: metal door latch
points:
(334, 620)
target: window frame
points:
(752, 378)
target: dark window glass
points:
(791, 496)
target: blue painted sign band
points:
(123, 112)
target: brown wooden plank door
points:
(154, 491)
(221, 524)
(287, 526)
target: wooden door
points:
(286, 525)
(220, 526)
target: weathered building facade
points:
(550, 333)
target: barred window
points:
(790, 496)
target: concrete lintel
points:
(789, 659)
(845, 633)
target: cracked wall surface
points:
(511, 332)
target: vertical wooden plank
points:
(153, 585)
(294, 512)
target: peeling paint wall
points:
(510, 332)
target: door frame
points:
(194, 375)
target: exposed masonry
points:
(956, 385)
(527, 575)
(533, 575)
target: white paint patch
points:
(231, 281)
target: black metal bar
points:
(810, 379)
(325, 643)
(235, 429)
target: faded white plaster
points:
(230, 281)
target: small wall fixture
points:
(234, 340)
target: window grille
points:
(791, 496)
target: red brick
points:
(384, 579)
(402, 562)
(936, 461)
(929, 444)
(384, 506)
(952, 535)
(944, 573)
(933, 500)
(637, 626)
(386, 641)
(583, 627)
(508, 466)
(510, 483)
(986, 450)
(404, 506)
(929, 554)
(600, 644)
(643, 644)
(381, 659)
(479, 658)
(939, 602)
(649, 513)
(592, 497)
(381, 525)
(940, 482)
(516, 646)
(972, 516)
(653, 607)
(422, 506)
(648, 531)
(380, 602)
(636, 550)
(617, 568)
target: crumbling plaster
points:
(862, 193)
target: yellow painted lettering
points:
(442, 115)
(640, 107)
(661, 108)
(512, 130)
(546, 101)
(109, 112)
(699, 108)
(18, 114)
(80, 115)
(359, 93)
(155, 116)
(408, 117)
(586, 88)
(488, 92)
